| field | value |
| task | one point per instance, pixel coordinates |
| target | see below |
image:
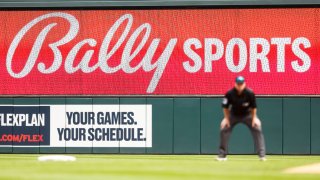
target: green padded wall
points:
(211, 116)
(241, 141)
(269, 111)
(191, 126)
(162, 125)
(186, 126)
(315, 126)
(296, 126)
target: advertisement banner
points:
(76, 126)
(159, 52)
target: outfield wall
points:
(191, 126)
(166, 79)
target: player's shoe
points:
(221, 159)
(263, 158)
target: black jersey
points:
(240, 105)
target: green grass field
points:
(88, 167)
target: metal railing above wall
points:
(148, 3)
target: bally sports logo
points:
(128, 49)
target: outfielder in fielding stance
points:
(239, 106)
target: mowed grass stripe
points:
(26, 166)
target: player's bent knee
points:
(257, 128)
(225, 129)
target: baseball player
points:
(239, 106)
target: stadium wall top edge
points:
(149, 3)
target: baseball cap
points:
(240, 80)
